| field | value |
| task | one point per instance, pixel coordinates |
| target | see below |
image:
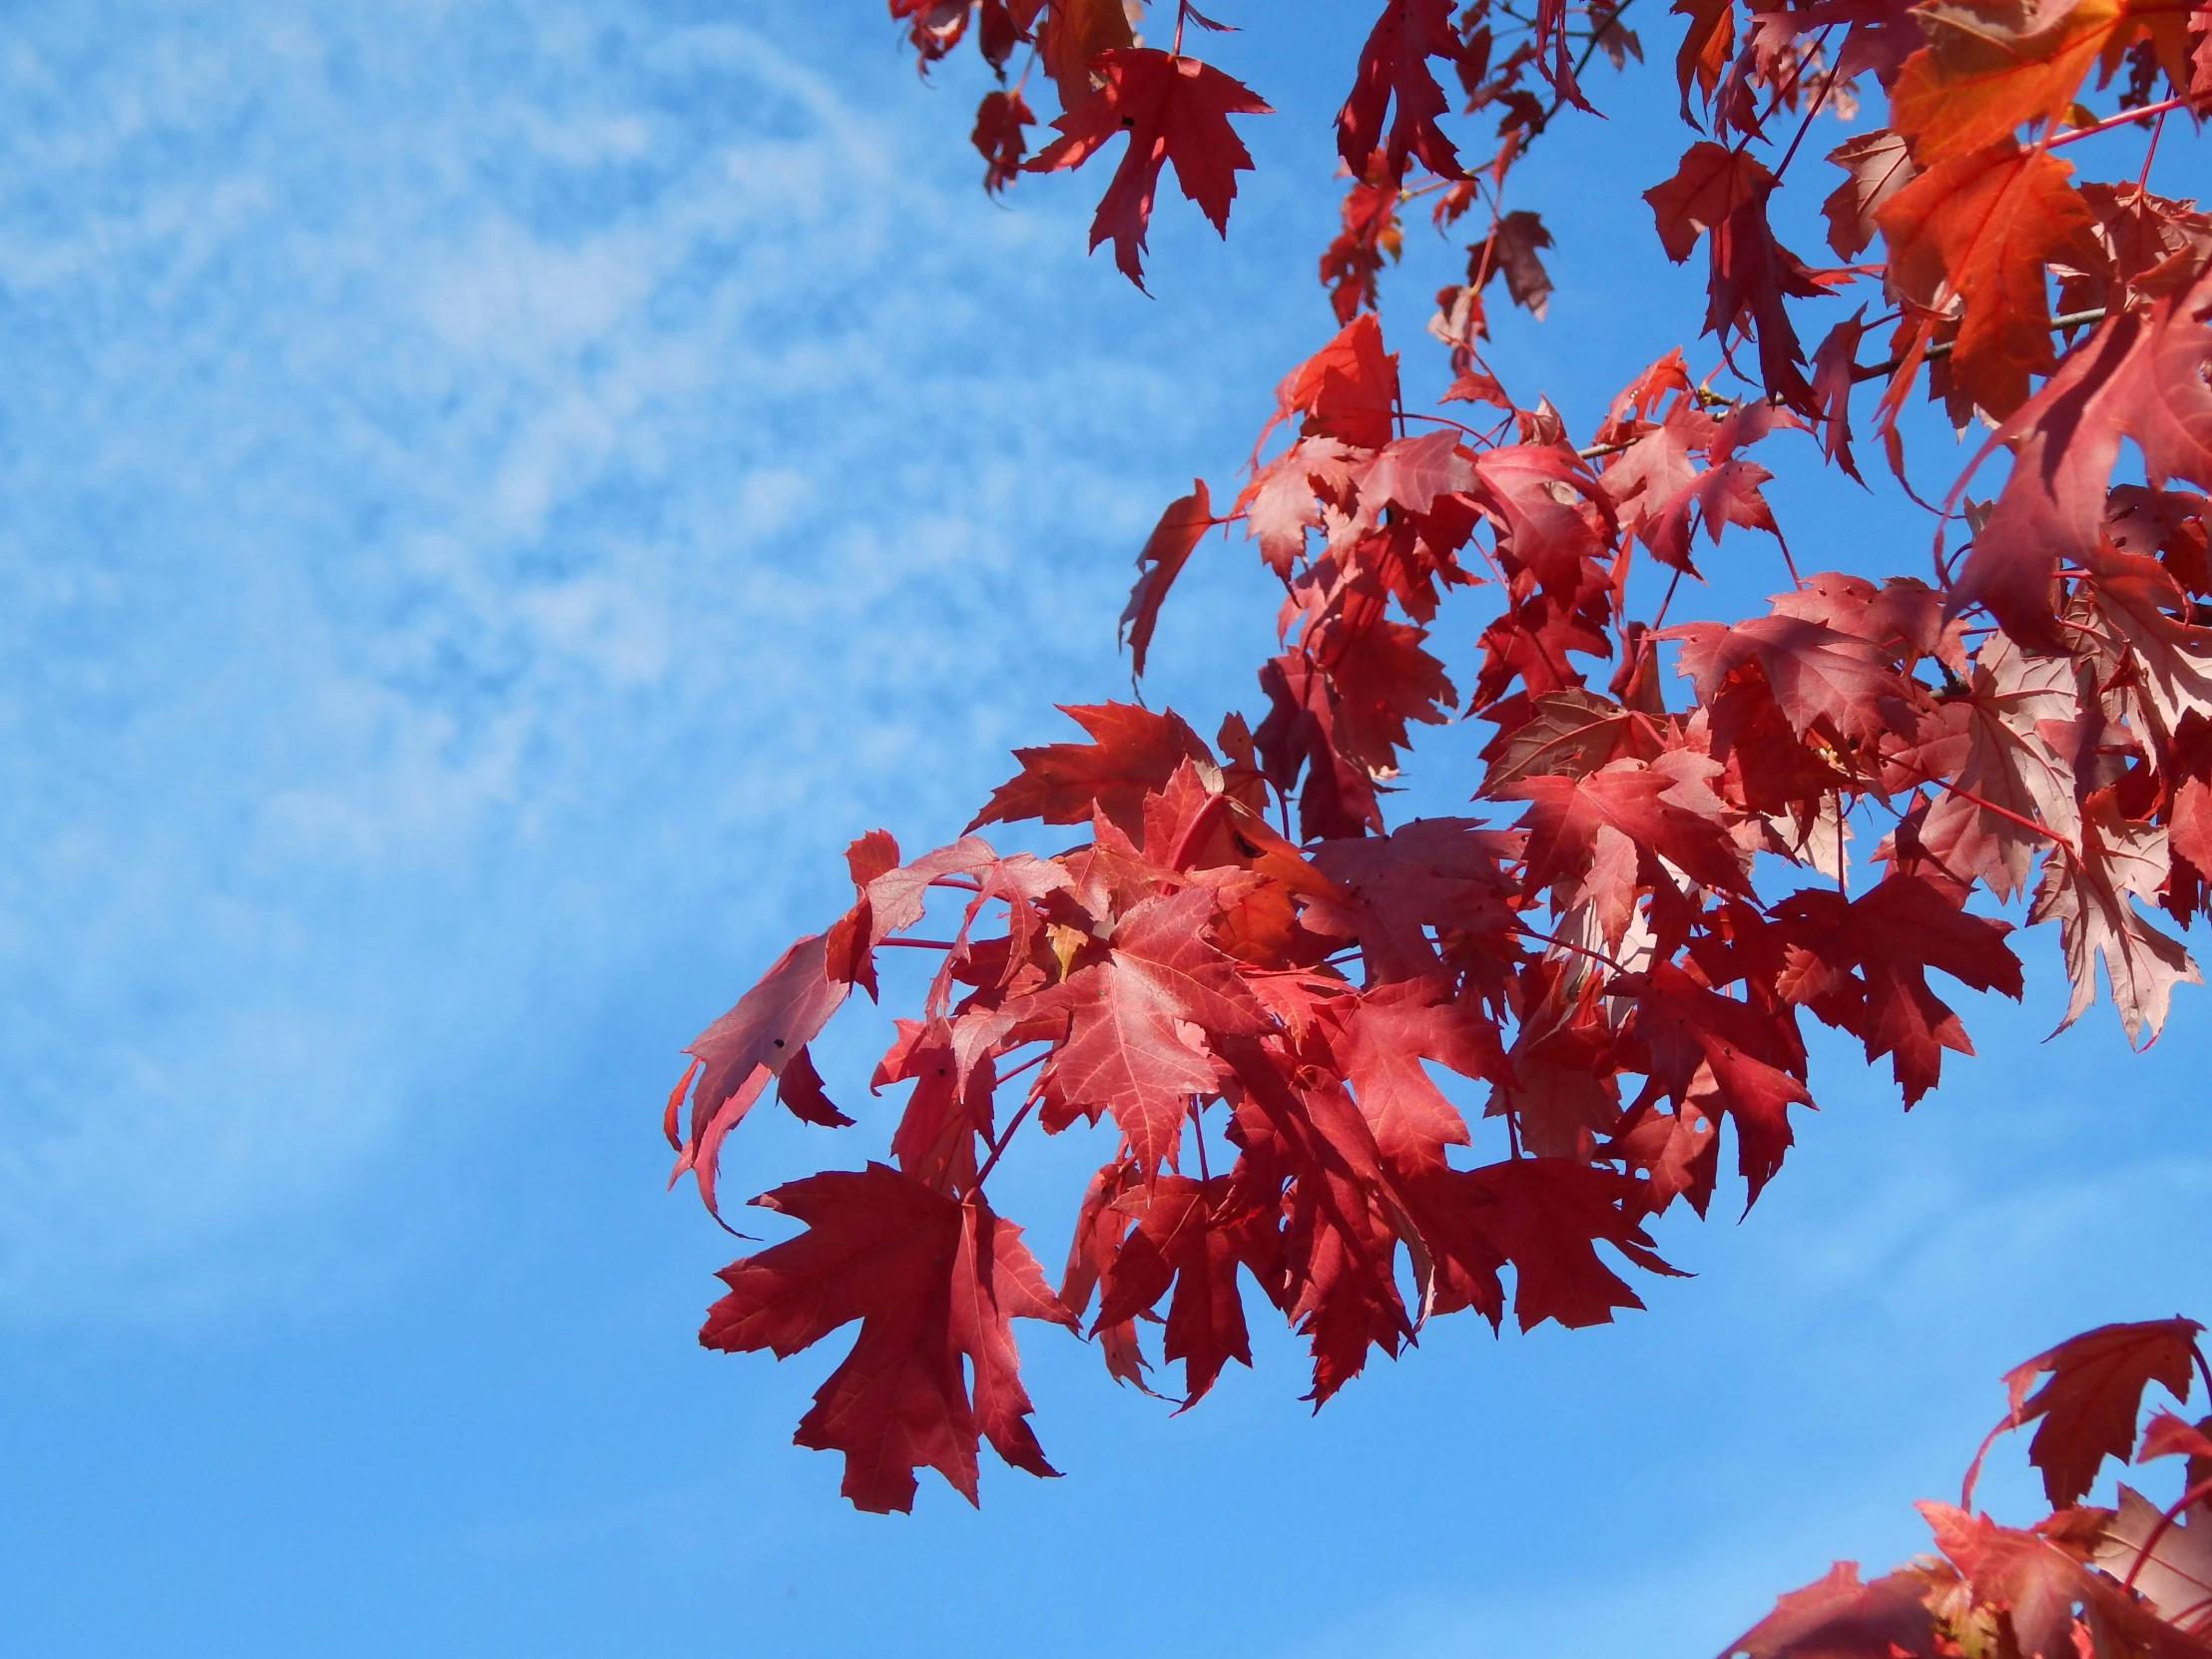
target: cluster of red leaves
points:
(1618, 960)
(2083, 1582)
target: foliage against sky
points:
(1198, 951)
(498, 495)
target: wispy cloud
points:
(479, 480)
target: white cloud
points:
(458, 456)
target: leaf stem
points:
(1033, 1060)
(1004, 1141)
(1968, 795)
(2111, 121)
(2150, 151)
(1447, 420)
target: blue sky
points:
(496, 496)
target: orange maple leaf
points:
(1977, 231)
(1991, 65)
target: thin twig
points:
(1612, 962)
(1814, 109)
(1943, 348)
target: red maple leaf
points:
(1878, 164)
(1721, 194)
(1412, 472)
(933, 1282)
(1565, 816)
(1551, 515)
(2087, 890)
(804, 1094)
(1531, 643)
(1306, 1147)
(1137, 1019)
(1441, 872)
(1545, 1216)
(1189, 1235)
(1986, 69)
(1131, 753)
(2141, 375)
(1990, 741)
(1808, 675)
(1663, 496)
(1510, 251)
(1159, 562)
(2053, 1607)
(1070, 34)
(1100, 1225)
(1351, 263)
(1394, 63)
(1299, 735)
(949, 1108)
(998, 139)
(1380, 676)
(1173, 109)
(1347, 389)
(1977, 231)
(1753, 1058)
(1382, 1038)
(1890, 936)
(1569, 733)
(2089, 1405)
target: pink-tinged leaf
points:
(1412, 472)
(737, 1054)
(2166, 1435)
(1839, 1618)
(2170, 1566)
(2087, 890)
